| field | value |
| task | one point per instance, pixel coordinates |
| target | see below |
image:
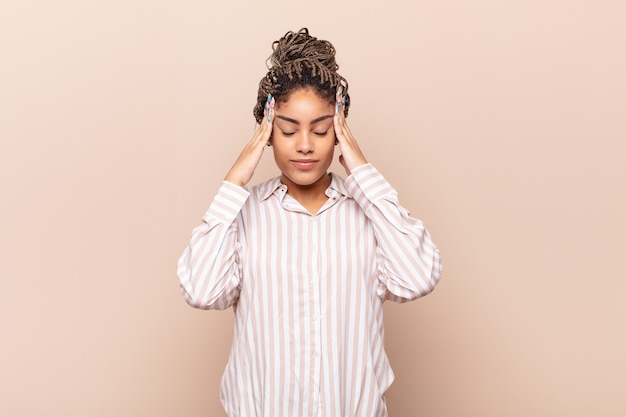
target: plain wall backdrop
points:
(501, 124)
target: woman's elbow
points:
(193, 301)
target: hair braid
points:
(300, 60)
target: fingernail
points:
(336, 109)
(269, 116)
(268, 102)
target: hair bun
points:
(296, 47)
(300, 60)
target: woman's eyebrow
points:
(319, 119)
(296, 122)
(290, 120)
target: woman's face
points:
(303, 138)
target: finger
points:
(346, 128)
(342, 161)
(338, 114)
(340, 100)
(341, 126)
(269, 108)
(265, 129)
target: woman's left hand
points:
(350, 154)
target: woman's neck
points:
(311, 196)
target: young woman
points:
(306, 259)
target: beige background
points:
(502, 125)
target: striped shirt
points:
(307, 292)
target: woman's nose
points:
(304, 143)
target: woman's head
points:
(301, 61)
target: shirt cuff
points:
(227, 203)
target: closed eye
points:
(321, 133)
(288, 133)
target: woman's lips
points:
(304, 163)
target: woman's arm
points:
(208, 270)
(409, 264)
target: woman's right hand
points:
(243, 168)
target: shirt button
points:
(317, 354)
(315, 317)
(314, 281)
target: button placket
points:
(316, 316)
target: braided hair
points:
(300, 61)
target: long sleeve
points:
(208, 269)
(409, 264)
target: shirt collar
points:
(274, 186)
